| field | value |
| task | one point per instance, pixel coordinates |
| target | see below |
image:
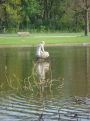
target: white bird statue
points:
(40, 52)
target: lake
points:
(57, 89)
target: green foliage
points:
(41, 15)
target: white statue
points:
(40, 52)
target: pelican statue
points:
(40, 52)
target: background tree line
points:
(44, 15)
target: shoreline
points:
(47, 45)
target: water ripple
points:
(19, 108)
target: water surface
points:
(57, 89)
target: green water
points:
(57, 89)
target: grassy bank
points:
(49, 38)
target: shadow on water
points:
(53, 90)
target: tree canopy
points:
(44, 15)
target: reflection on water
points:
(53, 90)
(41, 69)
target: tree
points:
(2, 15)
(8, 14)
(62, 15)
(83, 7)
(29, 9)
(86, 10)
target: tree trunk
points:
(86, 23)
(45, 10)
(86, 18)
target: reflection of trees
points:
(87, 62)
